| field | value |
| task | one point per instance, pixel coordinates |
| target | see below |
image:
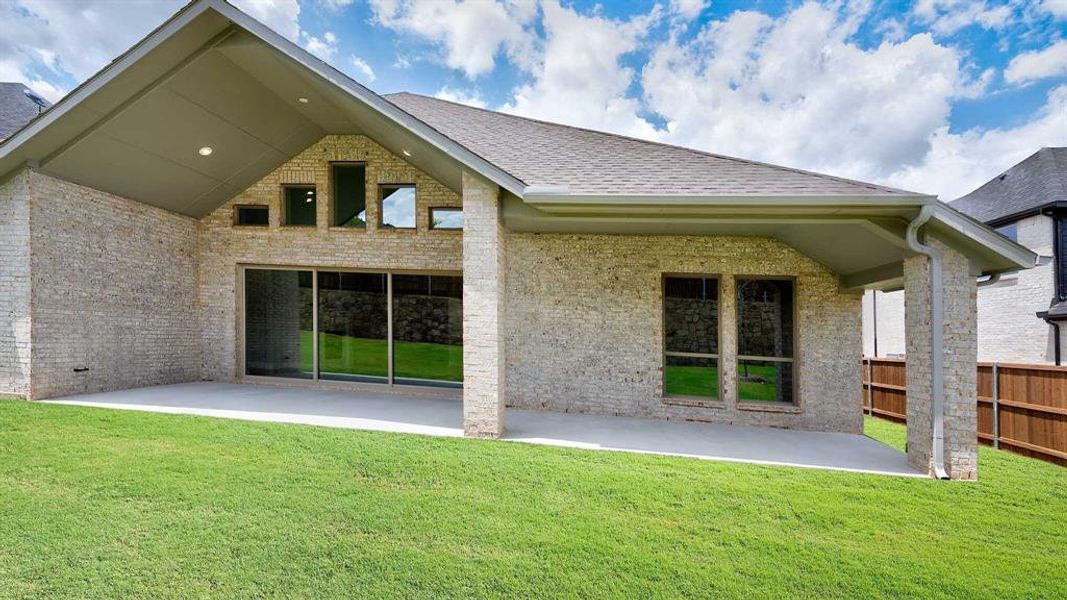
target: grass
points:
(362, 356)
(704, 382)
(97, 503)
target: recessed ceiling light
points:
(302, 100)
(205, 151)
(406, 153)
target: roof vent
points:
(1002, 177)
(39, 101)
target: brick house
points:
(217, 204)
(1019, 313)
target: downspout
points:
(937, 334)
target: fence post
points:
(996, 406)
(869, 386)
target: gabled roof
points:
(540, 153)
(1036, 182)
(16, 108)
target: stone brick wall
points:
(486, 389)
(959, 363)
(15, 286)
(113, 292)
(585, 332)
(1008, 328)
(224, 247)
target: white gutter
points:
(937, 336)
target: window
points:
(691, 336)
(347, 326)
(278, 323)
(251, 215)
(349, 195)
(300, 205)
(765, 340)
(446, 218)
(398, 206)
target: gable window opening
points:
(397, 206)
(691, 337)
(765, 340)
(301, 205)
(349, 195)
(251, 215)
(447, 218)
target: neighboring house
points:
(1018, 314)
(217, 204)
(18, 106)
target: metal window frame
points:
(792, 360)
(718, 397)
(389, 380)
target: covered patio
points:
(441, 414)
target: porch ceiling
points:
(135, 129)
(863, 244)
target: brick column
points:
(959, 366)
(483, 309)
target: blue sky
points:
(934, 95)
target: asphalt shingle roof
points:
(16, 108)
(1029, 185)
(594, 162)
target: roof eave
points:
(981, 234)
(558, 199)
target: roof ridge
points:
(666, 145)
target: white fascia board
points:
(985, 235)
(548, 196)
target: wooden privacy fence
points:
(1021, 408)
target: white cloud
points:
(45, 42)
(798, 91)
(283, 16)
(688, 9)
(362, 68)
(578, 77)
(324, 47)
(946, 17)
(470, 98)
(1056, 8)
(1030, 66)
(958, 163)
(470, 33)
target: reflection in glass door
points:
(279, 323)
(353, 326)
(346, 326)
(427, 329)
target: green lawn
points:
(704, 382)
(97, 503)
(362, 356)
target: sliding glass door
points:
(353, 326)
(279, 323)
(427, 328)
(347, 326)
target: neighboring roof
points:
(17, 108)
(592, 162)
(1037, 181)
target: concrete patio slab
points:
(443, 416)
